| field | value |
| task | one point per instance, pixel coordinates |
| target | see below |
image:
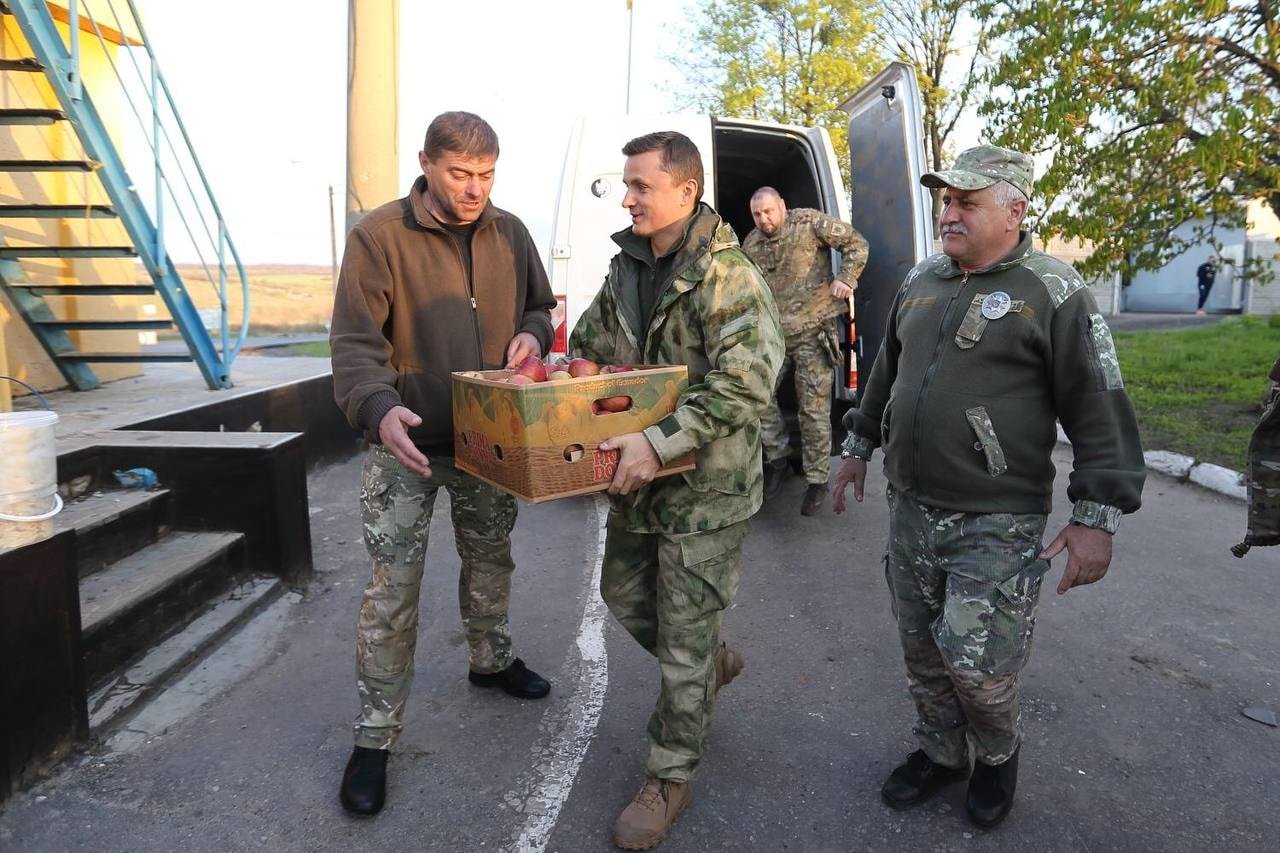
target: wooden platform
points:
(160, 390)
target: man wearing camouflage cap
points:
(792, 247)
(985, 345)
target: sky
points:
(262, 89)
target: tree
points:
(1154, 114)
(789, 61)
(923, 33)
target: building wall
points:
(1172, 288)
(1264, 298)
(26, 359)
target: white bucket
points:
(28, 477)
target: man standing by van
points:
(986, 344)
(793, 250)
(438, 281)
(680, 291)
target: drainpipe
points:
(6, 394)
(373, 168)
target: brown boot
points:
(729, 664)
(644, 823)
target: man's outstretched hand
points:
(1088, 555)
(852, 470)
(393, 432)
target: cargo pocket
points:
(973, 324)
(711, 561)
(1016, 600)
(987, 441)
(832, 339)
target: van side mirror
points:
(888, 93)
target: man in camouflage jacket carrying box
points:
(986, 344)
(681, 292)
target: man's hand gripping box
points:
(541, 441)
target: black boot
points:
(775, 474)
(364, 784)
(991, 791)
(814, 498)
(516, 680)
(915, 781)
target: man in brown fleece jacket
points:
(438, 281)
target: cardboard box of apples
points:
(535, 431)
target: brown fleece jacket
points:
(405, 314)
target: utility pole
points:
(333, 241)
(373, 164)
(631, 16)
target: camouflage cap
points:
(980, 167)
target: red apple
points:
(583, 367)
(521, 379)
(533, 368)
(617, 403)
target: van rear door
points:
(889, 206)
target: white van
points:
(889, 206)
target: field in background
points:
(282, 298)
(1199, 391)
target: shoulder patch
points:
(1059, 279)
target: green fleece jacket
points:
(963, 402)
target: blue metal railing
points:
(158, 84)
(196, 209)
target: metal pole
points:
(631, 14)
(333, 242)
(373, 35)
(159, 170)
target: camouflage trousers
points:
(965, 587)
(670, 591)
(396, 506)
(812, 354)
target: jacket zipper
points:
(471, 292)
(917, 426)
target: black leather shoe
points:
(917, 780)
(814, 497)
(991, 791)
(364, 783)
(775, 474)
(517, 680)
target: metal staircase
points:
(55, 55)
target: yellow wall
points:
(1262, 222)
(26, 359)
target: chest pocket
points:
(974, 323)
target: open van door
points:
(889, 206)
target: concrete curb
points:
(1213, 477)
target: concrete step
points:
(112, 525)
(135, 602)
(119, 697)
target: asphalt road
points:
(1132, 701)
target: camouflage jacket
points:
(716, 315)
(973, 371)
(1264, 473)
(797, 264)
